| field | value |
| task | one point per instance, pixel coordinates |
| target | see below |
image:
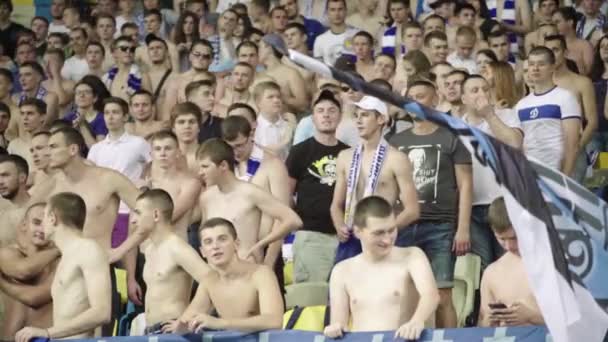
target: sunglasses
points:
(130, 49)
(345, 88)
(201, 55)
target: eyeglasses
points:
(130, 49)
(201, 55)
(83, 92)
(345, 88)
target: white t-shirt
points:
(541, 118)
(74, 69)
(457, 62)
(329, 46)
(273, 133)
(127, 155)
(58, 28)
(485, 189)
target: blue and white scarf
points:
(353, 178)
(133, 81)
(40, 94)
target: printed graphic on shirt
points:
(425, 161)
(325, 170)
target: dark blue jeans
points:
(483, 241)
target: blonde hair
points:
(504, 83)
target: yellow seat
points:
(288, 273)
(311, 318)
(467, 274)
(121, 284)
(306, 294)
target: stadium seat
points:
(310, 318)
(466, 282)
(288, 273)
(121, 285)
(306, 294)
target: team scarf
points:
(133, 80)
(353, 178)
(40, 94)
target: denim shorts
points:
(435, 239)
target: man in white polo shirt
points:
(273, 133)
(550, 116)
(122, 152)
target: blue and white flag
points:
(561, 227)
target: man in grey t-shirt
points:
(442, 174)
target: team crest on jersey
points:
(534, 113)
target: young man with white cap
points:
(442, 175)
(371, 168)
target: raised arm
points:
(186, 199)
(407, 190)
(13, 265)
(339, 299)
(297, 100)
(187, 258)
(95, 270)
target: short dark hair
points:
(99, 45)
(245, 44)
(297, 26)
(461, 72)
(238, 105)
(8, 4)
(71, 136)
(420, 83)
(104, 16)
(234, 125)
(434, 35)
(464, 6)
(161, 200)
(4, 108)
(34, 65)
(163, 134)
(559, 38)
(372, 206)
(36, 103)
(41, 133)
(218, 151)
(203, 42)
(366, 35)
(121, 39)
(41, 18)
(192, 86)
(70, 209)
(497, 34)
(382, 83)
(57, 52)
(542, 50)
(17, 160)
(82, 30)
(569, 14)
(472, 77)
(124, 106)
(6, 74)
(155, 12)
(129, 25)
(216, 222)
(143, 92)
(498, 216)
(186, 108)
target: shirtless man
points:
(400, 291)
(186, 124)
(81, 286)
(201, 56)
(296, 38)
(153, 25)
(230, 281)
(54, 60)
(182, 186)
(262, 169)
(143, 112)
(39, 149)
(105, 27)
(363, 47)
(293, 89)
(32, 120)
(13, 189)
(503, 304)
(27, 269)
(159, 70)
(95, 54)
(247, 201)
(30, 77)
(579, 50)
(392, 180)
(579, 85)
(241, 78)
(125, 78)
(170, 262)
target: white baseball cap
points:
(373, 103)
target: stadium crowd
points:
(175, 140)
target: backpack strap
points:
(293, 319)
(161, 84)
(327, 318)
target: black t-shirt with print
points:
(313, 166)
(433, 157)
